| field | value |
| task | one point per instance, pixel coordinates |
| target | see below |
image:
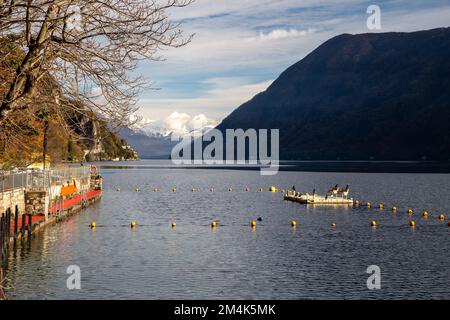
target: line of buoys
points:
(441, 217)
(373, 223)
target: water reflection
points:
(233, 260)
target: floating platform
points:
(305, 198)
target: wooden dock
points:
(305, 198)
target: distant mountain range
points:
(377, 96)
(152, 139)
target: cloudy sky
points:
(241, 46)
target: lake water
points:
(273, 261)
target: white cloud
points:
(182, 123)
(283, 34)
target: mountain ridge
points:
(368, 96)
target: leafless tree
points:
(89, 48)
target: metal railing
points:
(31, 179)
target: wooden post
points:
(1, 238)
(8, 226)
(2, 234)
(16, 222)
(30, 224)
(24, 224)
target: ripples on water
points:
(235, 262)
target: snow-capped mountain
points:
(152, 139)
(180, 124)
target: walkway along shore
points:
(31, 200)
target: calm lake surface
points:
(273, 261)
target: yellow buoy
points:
(272, 189)
(380, 206)
(333, 225)
(293, 223)
(410, 212)
(368, 204)
(412, 223)
(356, 202)
(213, 224)
(133, 224)
(253, 223)
(373, 223)
(425, 214)
(283, 191)
(174, 225)
(394, 209)
(441, 217)
(93, 225)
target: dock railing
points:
(41, 180)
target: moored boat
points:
(334, 196)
